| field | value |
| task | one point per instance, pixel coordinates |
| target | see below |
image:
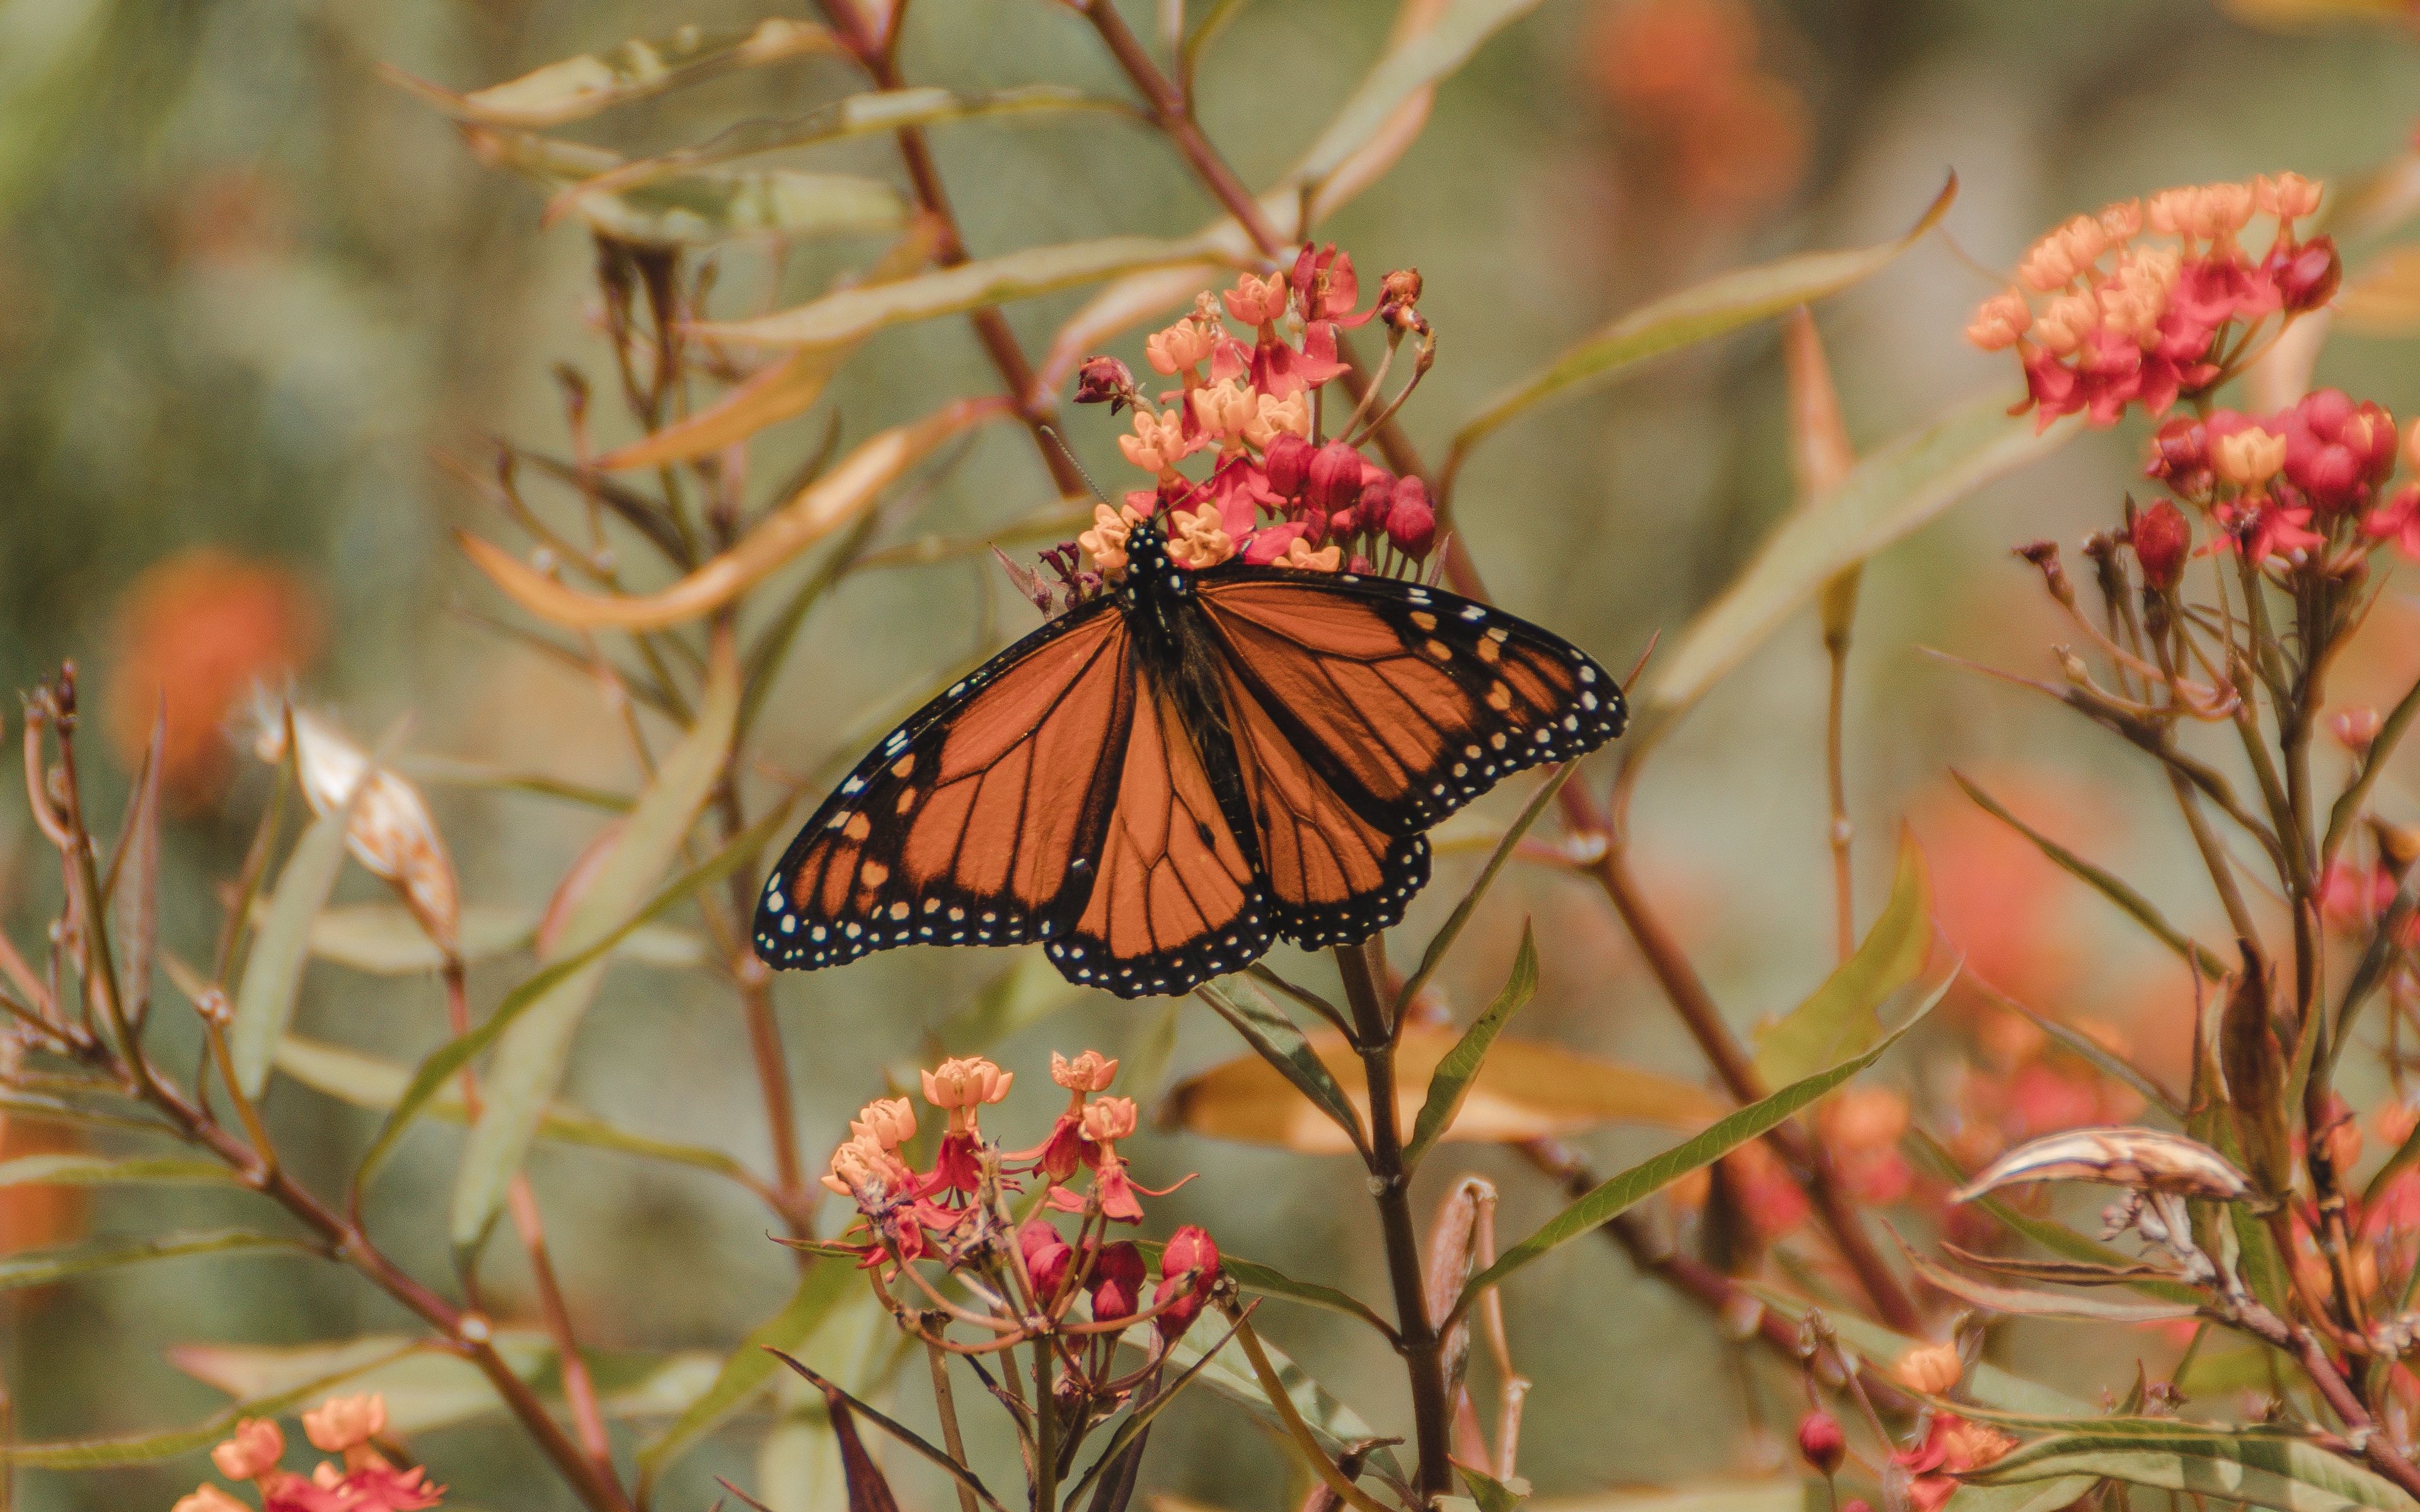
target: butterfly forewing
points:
(965, 826)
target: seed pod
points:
(390, 832)
(2148, 1159)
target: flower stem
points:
(1417, 1338)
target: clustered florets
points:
(342, 1426)
(953, 1212)
(1275, 493)
(2306, 486)
(2126, 320)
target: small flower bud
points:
(2337, 451)
(1190, 1249)
(1091, 1072)
(342, 1423)
(2163, 539)
(1930, 1368)
(1105, 380)
(1335, 477)
(2289, 197)
(253, 1451)
(1287, 463)
(1411, 524)
(2307, 276)
(2181, 457)
(1821, 1442)
(889, 1122)
(1257, 302)
(1117, 1282)
(2355, 729)
(2000, 320)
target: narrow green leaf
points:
(1442, 942)
(133, 888)
(1786, 1494)
(1460, 1068)
(854, 314)
(1415, 64)
(273, 969)
(2397, 1164)
(871, 113)
(171, 1443)
(2264, 1469)
(1619, 1194)
(1889, 493)
(425, 1386)
(528, 1067)
(100, 1170)
(1843, 1016)
(699, 209)
(1493, 1495)
(1267, 1281)
(1989, 1385)
(749, 1367)
(2134, 904)
(1335, 1426)
(382, 939)
(2018, 1302)
(367, 1082)
(41, 1268)
(577, 88)
(444, 1063)
(450, 771)
(1269, 1031)
(1728, 303)
(1138, 1421)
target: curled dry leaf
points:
(1523, 1090)
(391, 832)
(2147, 1159)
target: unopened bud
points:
(2163, 539)
(1930, 1368)
(1821, 1442)
(1335, 477)
(1411, 524)
(2307, 276)
(1287, 462)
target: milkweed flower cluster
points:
(1279, 488)
(2151, 301)
(2305, 487)
(360, 1480)
(953, 1212)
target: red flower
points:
(2305, 276)
(1325, 288)
(1411, 524)
(1951, 1447)
(2397, 522)
(1116, 1281)
(1190, 1267)
(1270, 543)
(955, 1167)
(1287, 465)
(1046, 1256)
(2163, 539)
(2180, 458)
(2268, 529)
(2337, 451)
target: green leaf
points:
(1784, 1495)
(2264, 1469)
(1138, 1421)
(134, 886)
(367, 1082)
(99, 1170)
(1460, 1068)
(384, 941)
(1728, 303)
(1442, 942)
(426, 1387)
(1413, 65)
(2133, 903)
(1335, 1426)
(1889, 493)
(1267, 1281)
(273, 971)
(41, 1268)
(1988, 1384)
(579, 87)
(528, 1067)
(1845, 1016)
(1269, 1031)
(876, 112)
(746, 1369)
(1493, 1495)
(2054, 1237)
(448, 1059)
(702, 207)
(2019, 1302)
(1618, 1194)
(341, 1365)
(854, 314)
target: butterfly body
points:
(1167, 778)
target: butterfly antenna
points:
(1064, 450)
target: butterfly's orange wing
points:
(1364, 710)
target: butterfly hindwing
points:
(965, 827)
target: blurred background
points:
(252, 297)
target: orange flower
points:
(889, 1122)
(1930, 1368)
(1110, 1119)
(37, 1217)
(197, 631)
(1091, 1072)
(208, 1499)
(342, 1423)
(253, 1450)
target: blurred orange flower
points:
(200, 629)
(34, 1217)
(1715, 131)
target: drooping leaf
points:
(852, 315)
(448, 1059)
(1524, 1089)
(42, 1268)
(2050, 1235)
(78, 1169)
(134, 886)
(702, 207)
(1458, 1070)
(424, 1388)
(367, 1082)
(824, 506)
(1988, 1385)
(1412, 66)
(577, 88)
(2024, 1302)
(1127, 1437)
(1722, 304)
(1283, 1397)
(384, 941)
(863, 1495)
(1618, 1194)
(863, 115)
(273, 970)
(790, 387)
(1889, 494)
(2149, 1160)
(1281, 1046)
(869, 1489)
(2133, 903)
(748, 1367)
(529, 1057)
(1844, 1015)
(2264, 1466)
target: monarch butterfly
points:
(1172, 775)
